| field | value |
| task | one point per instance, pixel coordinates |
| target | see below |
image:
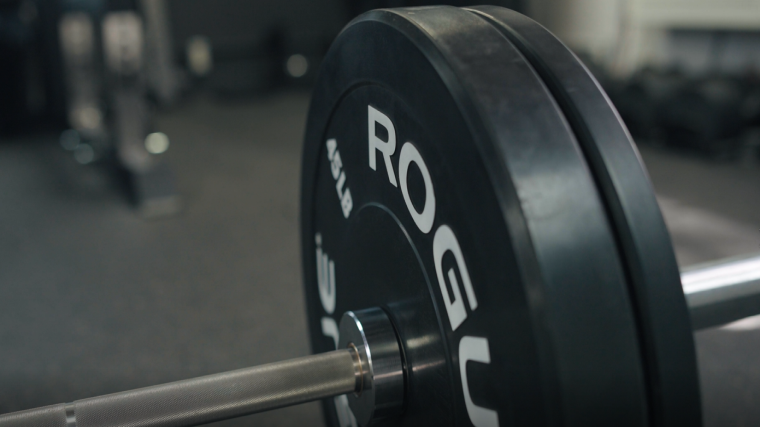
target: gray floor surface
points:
(97, 300)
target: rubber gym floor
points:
(94, 299)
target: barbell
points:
(481, 246)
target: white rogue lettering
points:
(470, 348)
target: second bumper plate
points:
(644, 242)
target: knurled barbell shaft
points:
(716, 293)
(205, 399)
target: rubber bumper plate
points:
(442, 183)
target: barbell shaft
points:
(722, 291)
(716, 293)
(205, 399)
